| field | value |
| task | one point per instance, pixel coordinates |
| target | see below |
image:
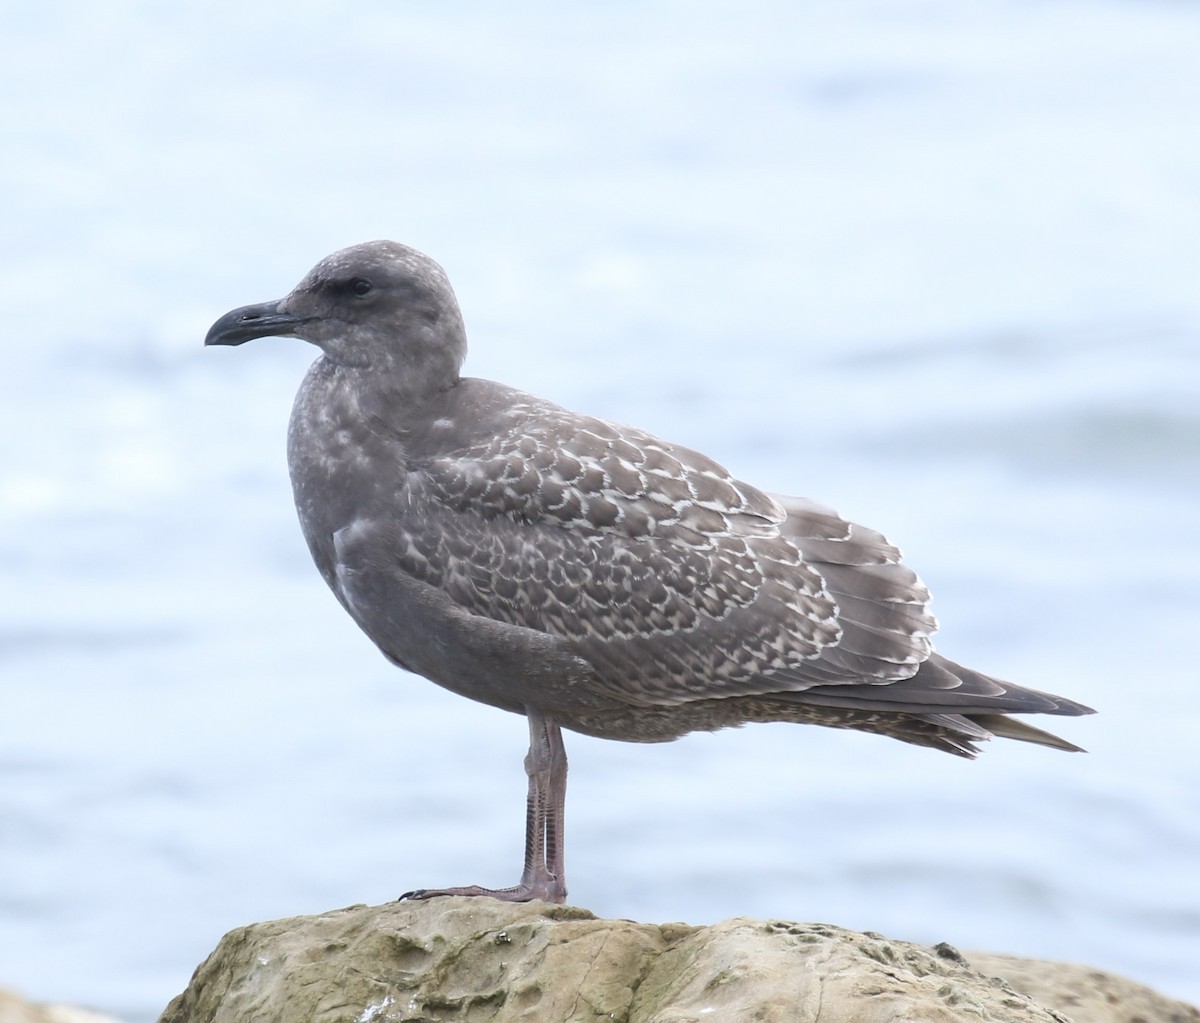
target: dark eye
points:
(360, 286)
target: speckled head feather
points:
(379, 306)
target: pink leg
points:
(544, 875)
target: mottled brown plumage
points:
(586, 574)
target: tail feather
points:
(960, 733)
(1011, 728)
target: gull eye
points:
(360, 286)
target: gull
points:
(582, 573)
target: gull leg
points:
(543, 876)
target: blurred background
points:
(932, 263)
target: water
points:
(932, 264)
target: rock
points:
(15, 1009)
(1083, 993)
(481, 960)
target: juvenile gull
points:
(583, 573)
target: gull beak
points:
(251, 321)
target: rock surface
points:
(482, 960)
(1083, 993)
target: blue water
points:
(934, 264)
